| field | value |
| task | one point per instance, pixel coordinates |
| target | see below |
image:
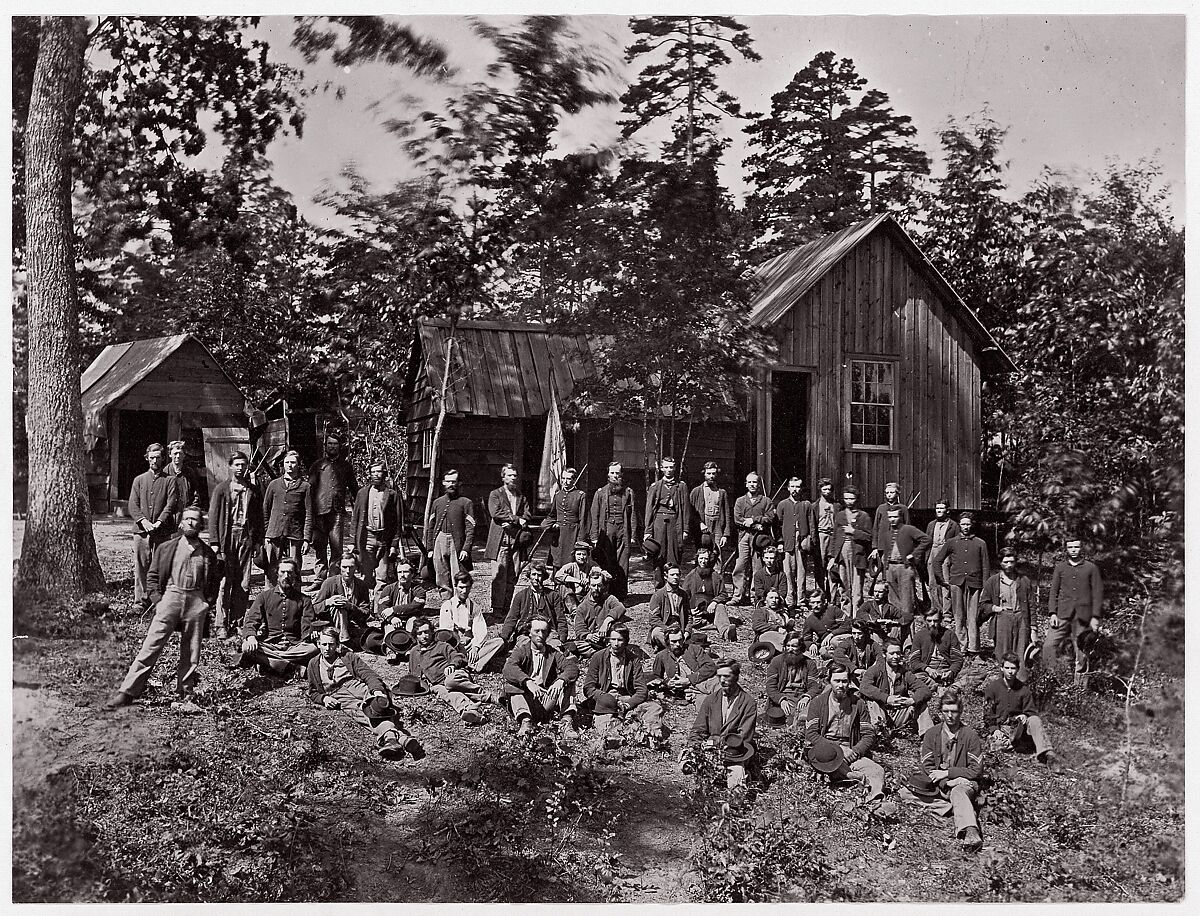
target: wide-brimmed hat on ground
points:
(1032, 653)
(761, 651)
(825, 756)
(372, 640)
(763, 541)
(410, 685)
(737, 750)
(923, 787)
(376, 707)
(604, 704)
(398, 640)
(776, 715)
(446, 636)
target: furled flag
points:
(554, 453)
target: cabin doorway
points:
(787, 446)
(137, 430)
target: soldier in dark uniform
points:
(667, 522)
(570, 515)
(614, 529)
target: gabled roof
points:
(788, 276)
(120, 367)
(503, 368)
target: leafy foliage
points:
(829, 153)
(684, 80)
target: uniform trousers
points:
(664, 530)
(965, 601)
(612, 553)
(179, 609)
(525, 704)
(234, 595)
(793, 567)
(445, 562)
(649, 713)
(1066, 631)
(327, 540)
(960, 803)
(510, 560)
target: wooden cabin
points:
(157, 390)
(498, 400)
(880, 369)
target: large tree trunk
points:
(59, 550)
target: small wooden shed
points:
(880, 372)
(156, 390)
(498, 399)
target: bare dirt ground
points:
(388, 812)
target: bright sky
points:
(1076, 91)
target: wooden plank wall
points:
(190, 382)
(877, 303)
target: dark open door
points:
(138, 429)
(789, 428)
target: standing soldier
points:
(614, 529)
(235, 531)
(1006, 600)
(902, 548)
(289, 521)
(824, 510)
(570, 515)
(753, 515)
(182, 582)
(850, 544)
(969, 569)
(666, 519)
(712, 512)
(153, 501)
(795, 521)
(940, 530)
(508, 538)
(331, 480)
(891, 500)
(450, 533)
(186, 477)
(1076, 600)
(375, 524)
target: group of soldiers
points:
(864, 623)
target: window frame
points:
(427, 448)
(891, 363)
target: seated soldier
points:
(669, 606)
(951, 764)
(343, 602)
(840, 735)
(339, 679)
(707, 598)
(685, 667)
(896, 698)
(596, 615)
(887, 616)
(862, 647)
(572, 578)
(1009, 716)
(770, 575)
(935, 655)
(615, 688)
(771, 621)
(791, 681)
(278, 626)
(825, 623)
(443, 669)
(541, 682)
(726, 721)
(460, 616)
(402, 602)
(536, 601)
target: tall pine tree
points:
(683, 82)
(830, 152)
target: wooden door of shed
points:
(220, 443)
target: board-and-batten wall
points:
(876, 302)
